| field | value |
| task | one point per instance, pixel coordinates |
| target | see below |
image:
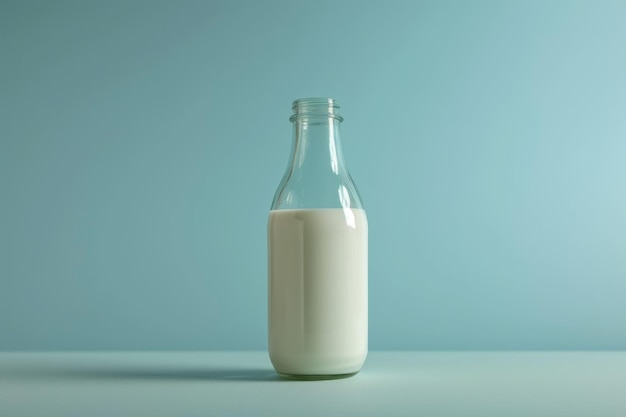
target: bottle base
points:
(297, 377)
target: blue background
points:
(141, 143)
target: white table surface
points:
(482, 384)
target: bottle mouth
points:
(315, 107)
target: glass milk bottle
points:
(317, 254)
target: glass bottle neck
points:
(317, 146)
(316, 177)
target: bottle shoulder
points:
(297, 192)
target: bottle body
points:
(317, 261)
(318, 291)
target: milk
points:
(317, 291)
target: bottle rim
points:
(315, 107)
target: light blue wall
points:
(141, 143)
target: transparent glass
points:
(317, 255)
(316, 176)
